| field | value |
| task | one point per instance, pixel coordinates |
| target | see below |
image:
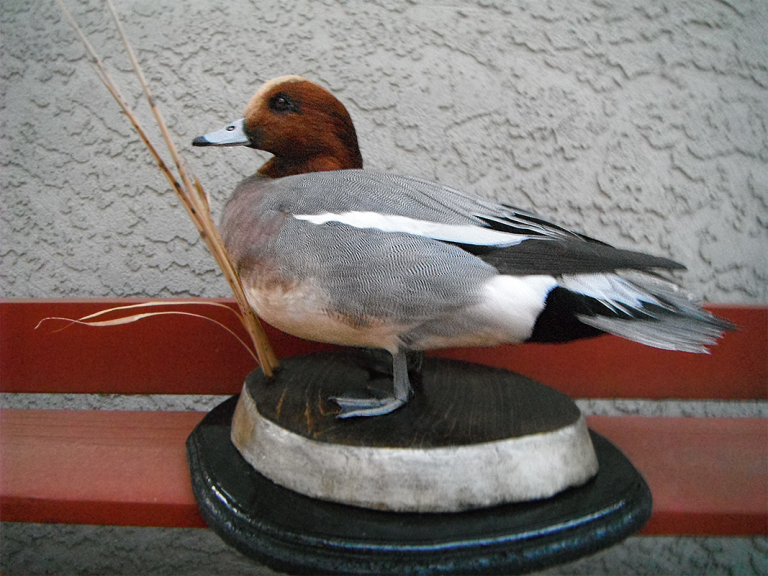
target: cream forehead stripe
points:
(458, 233)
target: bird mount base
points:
(293, 438)
(471, 437)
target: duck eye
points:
(283, 103)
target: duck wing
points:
(514, 241)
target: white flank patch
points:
(513, 303)
(458, 233)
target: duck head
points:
(302, 124)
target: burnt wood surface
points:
(454, 403)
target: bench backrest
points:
(182, 355)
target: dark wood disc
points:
(455, 403)
(470, 437)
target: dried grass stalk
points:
(189, 191)
(89, 319)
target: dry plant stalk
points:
(89, 319)
(190, 192)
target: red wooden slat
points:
(707, 475)
(173, 354)
(160, 355)
(97, 467)
(611, 367)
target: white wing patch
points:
(458, 233)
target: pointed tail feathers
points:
(646, 309)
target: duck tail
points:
(643, 307)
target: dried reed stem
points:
(198, 200)
(192, 195)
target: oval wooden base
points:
(472, 437)
(293, 533)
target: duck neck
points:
(277, 166)
(329, 145)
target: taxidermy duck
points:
(327, 251)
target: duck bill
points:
(232, 135)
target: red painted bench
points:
(708, 476)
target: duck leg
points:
(377, 404)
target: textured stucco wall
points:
(166, 551)
(641, 123)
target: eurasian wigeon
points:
(330, 252)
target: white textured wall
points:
(641, 123)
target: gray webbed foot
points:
(374, 402)
(370, 402)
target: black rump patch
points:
(558, 321)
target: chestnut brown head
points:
(302, 124)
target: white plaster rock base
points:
(443, 479)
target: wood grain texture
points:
(177, 355)
(471, 437)
(707, 476)
(454, 403)
(96, 467)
